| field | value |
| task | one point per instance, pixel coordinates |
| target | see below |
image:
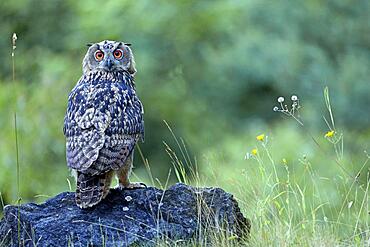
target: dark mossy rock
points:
(125, 217)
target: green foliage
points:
(211, 69)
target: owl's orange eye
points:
(118, 54)
(99, 55)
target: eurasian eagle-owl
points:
(103, 122)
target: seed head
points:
(14, 42)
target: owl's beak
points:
(109, 64)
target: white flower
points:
(294, 97)
(281, 99)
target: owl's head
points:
(109, 56)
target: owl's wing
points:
(84, 126)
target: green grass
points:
(295, 193)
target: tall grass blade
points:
(14, 41)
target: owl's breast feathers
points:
(104, 119)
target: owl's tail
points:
(91, 189)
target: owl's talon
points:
(132, 186)
(145, 186)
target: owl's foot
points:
(132, 186)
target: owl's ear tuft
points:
(128, 44)
(89, 44)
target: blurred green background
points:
(212, 69)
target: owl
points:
(103, 122)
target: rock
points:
(125, 217)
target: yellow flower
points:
(254, 151)
(284, 161)
(260, 137)
(330, 133)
